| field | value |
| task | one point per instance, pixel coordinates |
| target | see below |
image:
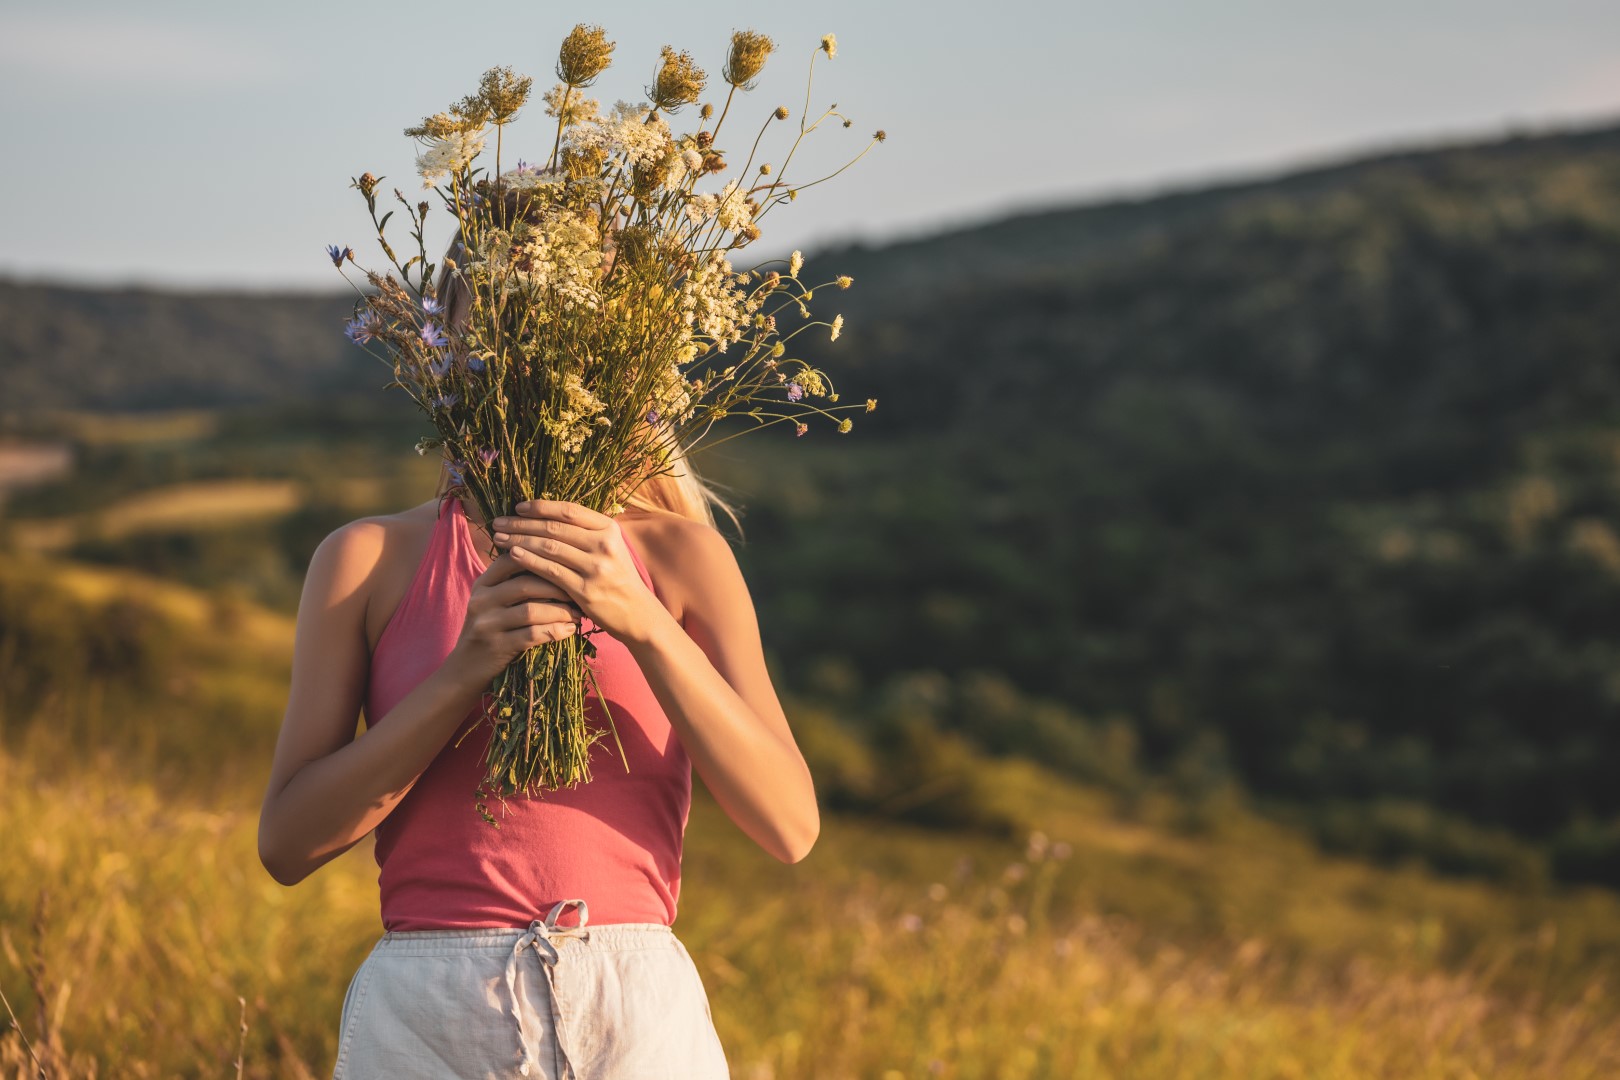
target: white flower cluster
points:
(673, 397)
(529, 177)
(626, 134)
(714, 304)
(441, 157)
(732, 208)
(579, 110)
(578, 417)
(563, 253)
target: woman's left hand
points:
(584, 553)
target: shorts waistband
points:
(500, 939)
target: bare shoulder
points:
(363, 564)
(687, 560)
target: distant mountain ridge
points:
(64, 346)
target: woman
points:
(479, 972)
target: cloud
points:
(95, 52)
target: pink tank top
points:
(615, 841)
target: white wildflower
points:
(732, 213)
(576, 417)
(829, 44)
(795, 264)
(579, 109)
(837, 325)
(693, 159)
(450, 154)
(700, 208)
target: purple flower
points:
(444, 401)
(433, 337)
(795, 391)
(487, 455)
(362, 328)
(652, 416)
(440, 367)
(339, 254)
(433, 307)
(475, 363)
(458, 472)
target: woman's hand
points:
(584, 553)
(509, 612)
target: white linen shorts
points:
(620, 1001)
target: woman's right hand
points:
(509, 611)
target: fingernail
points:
(502, 536)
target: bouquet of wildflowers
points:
(588, 328)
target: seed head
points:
(781, 112)
(586, 52)
(746, 58)
(367, 184)
(679, 81)
(880, 134)
(829, 45)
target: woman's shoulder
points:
(371, 559)
(686, 559)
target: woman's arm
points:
(328, 789)
(707, 668)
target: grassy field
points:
(138, 933)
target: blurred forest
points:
(1303, 490)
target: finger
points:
(503, 566)
(561, 510)
(578, 536)
(569, 579)
(527, 586)
(555, 550)
(528, 636)
(533, 613)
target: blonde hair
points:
(679, 491)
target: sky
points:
(211, 145)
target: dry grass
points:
(889, 952)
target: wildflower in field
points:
(585, 54)
(871, 403)
(339, 254)
(444, 401)
(433, 337)
(844, 425)
(488, 455)
(679, 81)
(431, 307)
(439, 366)
(843, 281)
(829, 45)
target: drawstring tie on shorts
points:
(539, 935)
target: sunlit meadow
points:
(140, 937)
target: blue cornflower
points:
(475, 363)
(794, 391)
(433, 307)
(339, 254)
(487, 455)
(362, 328)
(433, 337)
(652, 416)
(444, 401)
(458, 472)
(441, 366)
